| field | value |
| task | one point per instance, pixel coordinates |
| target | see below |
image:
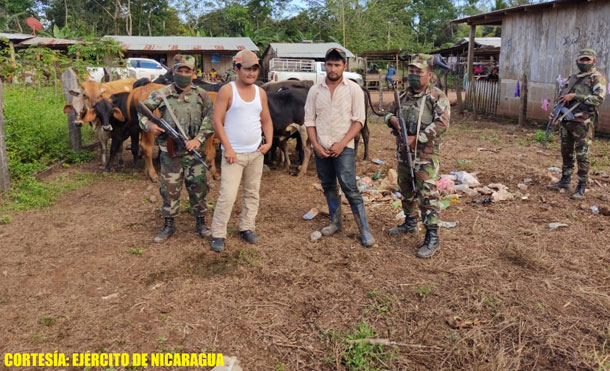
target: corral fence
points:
(483, 96)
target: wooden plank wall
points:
(544, 44)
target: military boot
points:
(409, 226)
(168, 229)
(431, 243)
(363, 225)
(579, 192)
(334, 209)
(564, 182)
(201, 228)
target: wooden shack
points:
(542, 42)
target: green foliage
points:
(46, 321)
(540, 135)
(136, 251)
(36, 138)
(6, 219)
(423, 290)
(363, 355)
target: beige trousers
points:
(248, 168)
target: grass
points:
(423, 290)
(46, 321)
(362, 355)
(37, 138)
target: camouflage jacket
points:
(590, 93)
(193, 110)
(435, 118)
(229, 75)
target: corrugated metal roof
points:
(48, 41)
(495, 17)
(484, 41)
(15, 36)
(184, 43)
(306, 50)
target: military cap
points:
(422, 60)
(337, 51)
(587, 53)
(185, 61)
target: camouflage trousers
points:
(575, 142)
(426, 196)
(173, 172)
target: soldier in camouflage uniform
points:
(435, 113)
(229, 75)
(588, 90)
(191, 106)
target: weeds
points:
(6, 219)
(423, 290)
(362, 355)
(136, 251)
(46, 321)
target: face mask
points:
(583, 67)
(414, 81)
(182, 81)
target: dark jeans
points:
(342, 168)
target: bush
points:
(36, 129)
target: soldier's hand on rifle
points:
(395, 124)
(411, 141)
(193, 144)
(567, 98)
(155, 129)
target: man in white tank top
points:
(241, 116)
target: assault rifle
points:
(177, 136)
(560, 112)
(406, 150)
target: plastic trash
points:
(400, 215)
(396, 204)
(445, 204)
(461, 187)
(398, 195)
(594, 210)
(377, 175)
(314, 236)
(377, 161)
(366, 180)
(311, 214)
(553, 226)
(527, 180)
(555, 170)
(464, 177)
(445, 184)
(448, 224)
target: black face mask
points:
(182, 81)
(584, 67)
(414, 81)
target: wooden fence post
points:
(380, 91)
(5, 178)
(523, 102)
(458, 93)
(70, 81)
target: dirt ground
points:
(503, 292)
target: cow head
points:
(77, 105)
(105, 111)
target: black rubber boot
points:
(168, 229)
(579, 192)
(564, 182)
(409, 226)
(249, 237)
(217, 244)
(201, 228)
(334, 209)
(363, 225)
(431, 243)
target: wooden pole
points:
(70, 81)
(5, 178)
(380, 90)
(523, 102)
(458, 92)
(471, 51)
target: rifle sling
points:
(422, 103)
(171, 113)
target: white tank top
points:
(243, 122)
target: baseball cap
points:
(422, 60)
(185, 61)
(337, 51)
(587, 53)
(246, 58)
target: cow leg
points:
(120, 151)
(306, 150)
(283, 145)
(356, 144)
(114, 146)
(365, 138)
(135, 146)
(103, 137)
(148, 142)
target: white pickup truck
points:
(134, 67)
(303, 69)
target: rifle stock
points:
(170, 131)
(406, 150)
